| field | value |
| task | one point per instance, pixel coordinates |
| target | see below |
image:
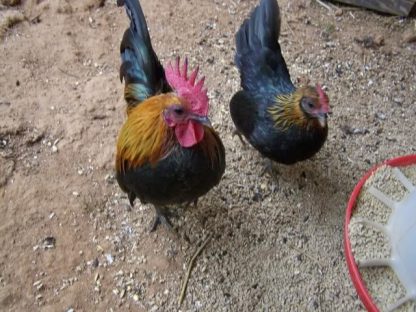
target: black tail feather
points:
(141, 70)
(137, 19)
(258, 56)
(262, 29)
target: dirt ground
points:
(69, 241)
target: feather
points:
(140, 68)
(155, 139)
(259, 58)
(287, 112)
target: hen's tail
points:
(258, 55)
(140, 68)
(262, 29)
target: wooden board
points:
(396, 7)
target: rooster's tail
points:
(140, 68)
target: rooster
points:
(284, 123)
(167, 150)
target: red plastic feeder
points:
(352, 266)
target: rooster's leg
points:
(162, 217)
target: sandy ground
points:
(69, 241)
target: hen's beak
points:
(203, 120)
(322, 118)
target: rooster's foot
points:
(162, 217)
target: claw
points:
(162, 217)
(240, 136)
(268, 168)
(195, 202)
(132, 197)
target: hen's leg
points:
(238, 133)
(268, 168)
(195, 202)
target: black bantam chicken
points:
(284, 123)
(167, 150)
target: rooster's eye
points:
(310, 105)
(178, 111)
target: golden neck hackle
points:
(145, 137)
(287, 109)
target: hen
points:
(284, 123)
(167, 150)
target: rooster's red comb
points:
(187, 87)
(323, 98)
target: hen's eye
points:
(307, 103)
(178, 111)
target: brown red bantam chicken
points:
(167, 150)
(284, 123)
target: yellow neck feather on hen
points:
(288, 111)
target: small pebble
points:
(95, 263)
(380, 116)
(49, 242)
(109, 178)
(398, 100)
(379, 40)
(123, 293)
(109, 258)
(409, 38)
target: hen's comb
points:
(323, 98)
(187, 87)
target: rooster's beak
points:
(203, 120)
